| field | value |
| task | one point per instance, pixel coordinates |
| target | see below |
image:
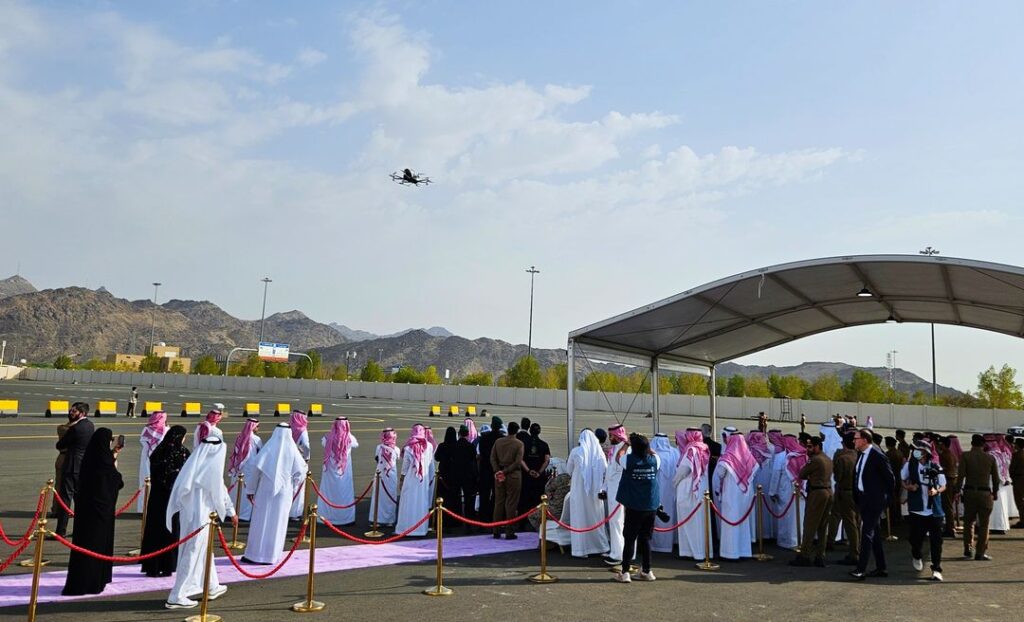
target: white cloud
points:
(310, 57)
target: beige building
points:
(128, 361)
(170, 359)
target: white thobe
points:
(245, 506)
(415, 500)
(612, 476)
(764, 479)
(388, 492)
(144, 465)
(1000, 520)
(195, 513)
(691, 535)
(269, 524)
(337, 488)
(782, 488)
(662, 541)
(584, 510)
(299, 503)
(733, 502)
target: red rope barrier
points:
(341, 507)
(500, 523)
(17, 553)
(31, 527)
(126, 560)
(585, 529)
(125, 507)
(740, 521)
(56, 495)
(252, 575)
(680, 523)
(769, 507)
(394, 538)
(384, 487)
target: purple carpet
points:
(14, 589)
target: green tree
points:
(176, 367)
(636, 382)
(430, 375)
(757, 387)
(407, 374)
(480, 379)
(825, 388)
(736, 386)
(340, 373)
(721, 386)
(524, 373)
(206, 366)
(919, 398)
(864, 387)
(309, 368)
(999, 389)
(150, 364)
(372, 372)
(793, 387)
(691, 384)
(63, 362)
(600, 381)
(253, 367)
(277, 369)
(556, 377)
(98, 365)
(773, 386)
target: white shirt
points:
(860, 468)
(922, 491)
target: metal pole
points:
(205, 603)
(759, 500)
(706, 564)
(239, 485)
(655, 394)
(375, 532)
(714, 402)
(38, 565)
(799, 525)
(145, 517)
(309, 605)
(543, 576)
(934, 392)
(529, 342)
(266, 281)
(570, 395)
(152, 323)
(308, 501)
(439, 589)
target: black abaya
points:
(164, 465)
(95, 501)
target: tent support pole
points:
(570, 396)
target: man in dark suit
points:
(873, 486)
(73, 444)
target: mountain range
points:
(41, 325)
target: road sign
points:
(277, 352)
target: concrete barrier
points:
(58, 407)
(283, 408)
(315, 410)
(8, 408)
(106, 408)
(191, 408)
(151, 407)
(252, 409)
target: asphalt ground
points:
(493, 586)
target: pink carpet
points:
(14, 589)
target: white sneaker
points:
(645, 576)
(188, 604)
(621, 577)
(918, 564)
(218, 592)
(936, 575)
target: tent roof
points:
(760, 309)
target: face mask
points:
(918, 454)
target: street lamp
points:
(529, 343)
(380, 355)
(929, 251)
(266, 281)
(152, 324)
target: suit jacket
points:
(878, 480)
(73, 443)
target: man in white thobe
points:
(271, 480)
(612, 476)
(662, 541)
(198, 490)
(586, 467)
(151, 436)
(787, 467)
(417, 482)
(733, 488)
(247, 446)
(386, 459)
(336, 477)
(691, 482)
(764, 451)
(300, 434)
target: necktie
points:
(860, 467)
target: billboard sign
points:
(275, 352)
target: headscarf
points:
(472, 429)
(203, 472)
(299, 422)
(417, 444)
(775, 438)
(758, 443)
(661, 446)
(430, 436)
(203, 429)
(692, 448)
(594, 463)
(388, 438)
(616, 434)
(797, 455)
(451, 436)
(167, 459)
(485, 428)
(155, 429)
(954, 446)
(496, 423)
(740, 460)
(278, 457)
(728, 431)
(98, 454)
(832, 442)
(243, 445)
(1000, 450)
(339, 440)
(99, 481)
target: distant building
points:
(170, 359)
(129, 361)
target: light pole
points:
(266, 281)
(929, 251)
(152, 324)
(380, 355)
(529, 342)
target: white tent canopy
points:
(763, 308)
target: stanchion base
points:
(707, 566)
(542, 578)
(308, 606)
(134, 553)
(891, 539)
(439, 590)
(236, 546)
(201, 618)
(306, 540)
(373, 534)
(29, 563)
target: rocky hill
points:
(15, 285)
(353, 334)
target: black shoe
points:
(856, 574)
(983, 558)
(968, 553)
(496, 536)
(819, 562)
(511, 536)
(877, 572)
(801, 562)
(1017, 526)
(848, 561)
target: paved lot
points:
(493, 587)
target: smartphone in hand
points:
(119, 445)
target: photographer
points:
(925, 482)
(638, 493)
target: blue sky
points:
(629, 155)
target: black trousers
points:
(871, 539)
(637, 529)
(486, 492)
(68, 488)
(931, 526)
(131, 410)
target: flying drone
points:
(407, 177)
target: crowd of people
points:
(621, 483)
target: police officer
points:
(818, 473)
(844, 465)
(979, 481)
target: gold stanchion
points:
(439, 589)
(888, 527)
(308, 500)
(47, 492)
(375, 532)
(799, 525)
(205, 603)
(436, 517)
(309, 605)
(37, 559)
(706, 564)
(759, 519)
(543, 576)
(235, 545)
(145, 512)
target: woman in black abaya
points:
(95, 501)
(164, 465)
